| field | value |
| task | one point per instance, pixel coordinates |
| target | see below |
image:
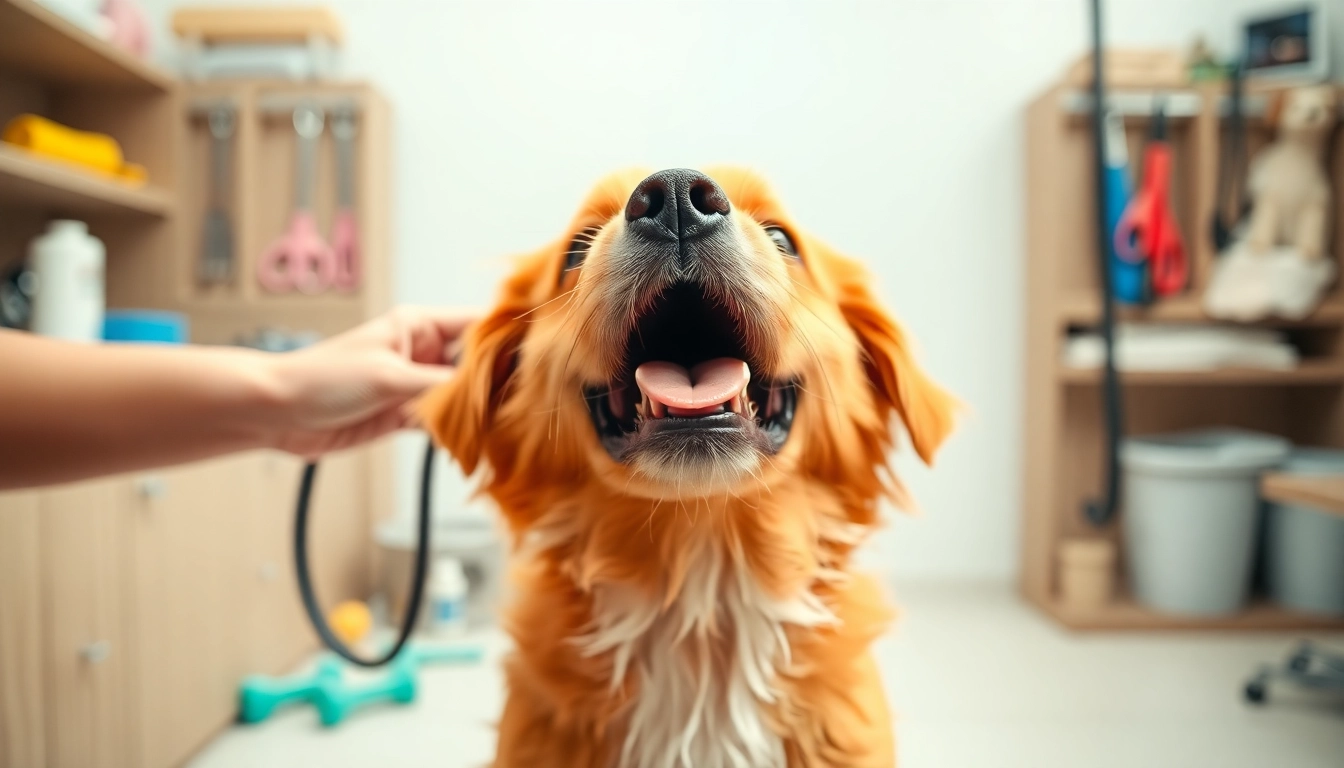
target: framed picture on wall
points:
(1288, 42)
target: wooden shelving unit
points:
(182, 577)
(39, 44)
(1064, 437)
(29, 181)
(1308, 373)
(1323, 492)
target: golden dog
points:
(684, 408)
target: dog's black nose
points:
(676, 204)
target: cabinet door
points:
(277, 634)
(339, 543)
(21, 703)
(88, 659)
(187, 528)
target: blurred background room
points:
(1130, 553)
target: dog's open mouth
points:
(687, 385)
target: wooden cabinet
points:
(131, 608)
(22, 732)
(187, 528)
(87, 657)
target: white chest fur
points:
(705, 665)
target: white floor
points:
(977, 679)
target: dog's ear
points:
(460, 412)
(927, 410)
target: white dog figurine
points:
(1290, 191)
(1276, 266)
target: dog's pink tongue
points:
(697, 392)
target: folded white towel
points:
(1184, 348)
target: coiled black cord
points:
(421, 568)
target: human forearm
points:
(72, 411)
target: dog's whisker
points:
(825, 324)
(545, 304)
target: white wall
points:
(892, 129)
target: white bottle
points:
(447, 598)
(67, 264)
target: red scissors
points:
(1147, 229)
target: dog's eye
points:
(782, 241)
(578, 248)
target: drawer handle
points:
(96, 652)
(269, 572)
(152, 487)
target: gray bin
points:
(1191, 512)
(1305, 553)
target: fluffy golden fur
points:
(702, 615)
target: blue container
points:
(145, 326)
(1129, 280)
(1305, 552)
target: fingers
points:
(431, 330)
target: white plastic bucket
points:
(1305, 553)
(1191, 510)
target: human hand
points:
(355, 387)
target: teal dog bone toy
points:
(260, 696)
(334, 698)
(335, 702)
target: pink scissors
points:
(300, 260)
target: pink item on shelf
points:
(345, 250)
(299, 260)
(126, 26)
(345, 229)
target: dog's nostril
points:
(656, 198)
(708, 198)
(648, 199)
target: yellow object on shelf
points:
(93, 151)
(351, 621)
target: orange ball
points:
(351, 621)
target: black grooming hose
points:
(1102, 511)
(310, 603)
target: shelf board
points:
(1308, 373)
(39, 43)
(1323, 492)
(1125, 614)
(29, 181)
(1176, 104)
(1084, 309)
